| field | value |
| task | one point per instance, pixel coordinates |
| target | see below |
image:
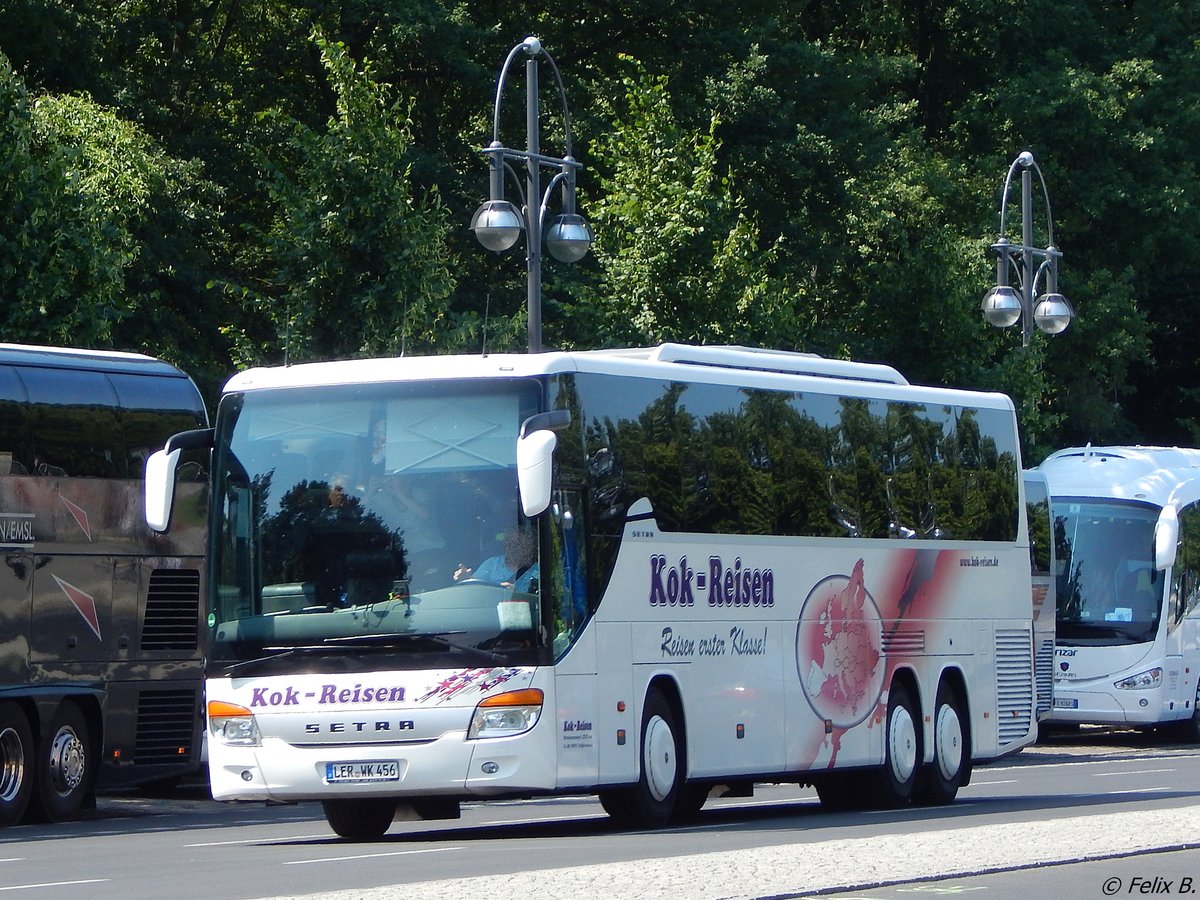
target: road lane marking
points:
(276, 839)
(327, 859)
(52, 884)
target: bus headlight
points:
(504, 715)
(233, 724)
(1142, 681)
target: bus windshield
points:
(373, 522)
(1108, 589)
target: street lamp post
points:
(498, 223)
(1002, 306)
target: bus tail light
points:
(1142, 681)
(507, 714)
(233, 724)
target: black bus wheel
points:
(63, 767)
(364, 819)
(16, 763)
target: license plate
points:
(1066, 703)
(359, 772)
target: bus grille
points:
(904, 643)
(172, 610)
(1045, 676)
(165, 726)
(1014, 684)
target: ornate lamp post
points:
(498, 223)
(1002, 306)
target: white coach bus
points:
(631, 573)
(1127, 536)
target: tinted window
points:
(74, 424)
(16, 451)
(722, 459)
(153, 409)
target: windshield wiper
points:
(279, 653)
(374, 641)
(438, 638)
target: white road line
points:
(269, 839)
(1130, 772)
(52, 884)
(541, 820)
(1139, 791)
(328, 859)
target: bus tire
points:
(360, 818)
(1187, 731)
(902, 751)
(64, 767)
(939, 781)
(690, 801)
(16, 763)
(651, 802)
(840, 791)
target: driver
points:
(516, 567)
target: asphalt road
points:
(1094, 815)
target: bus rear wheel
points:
(651, 802)
(360, 819)
(902, 751)
(16, 763)
(938, 782)
(64, 766)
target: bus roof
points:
(780, 370)
(1148, 474)
(91, 360)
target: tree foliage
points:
(242, 181)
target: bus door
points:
(1183, 596)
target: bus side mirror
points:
(158, 484)
(535, 466)
(1166, 538)
(159, 487)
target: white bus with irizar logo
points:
(1127, 538)
(630, 573)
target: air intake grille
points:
(1014, 684)
(904, 643)
(172, 610)
(165, 726)
(1045, 676)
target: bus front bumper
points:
(448, 766)
(1075, 704)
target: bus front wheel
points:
(651, 802)
(16, 763)
(64, 766)
(360, 819)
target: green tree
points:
(355, 261)
(680, 258)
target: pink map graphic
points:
(839, 652)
